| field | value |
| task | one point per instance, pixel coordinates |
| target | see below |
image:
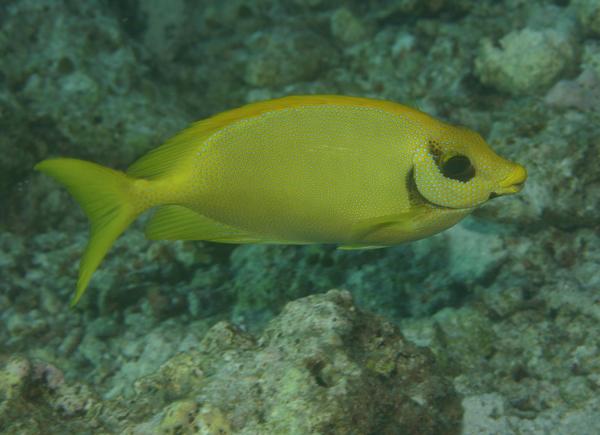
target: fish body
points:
(352, 171)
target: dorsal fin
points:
(169, 156)
(178, 150)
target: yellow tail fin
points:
(108, 200)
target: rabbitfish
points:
(356, 172)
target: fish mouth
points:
(518, 186)
(515, 179)
(513, 183)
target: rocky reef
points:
(489, 327)
(321, 366)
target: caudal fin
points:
(107, 198)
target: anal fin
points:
(175, 222)
(359, 247)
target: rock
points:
(165, 26)
(34, 398)
(583, 93)
(526, 61)
(77, 96)
(310, 371)
(588, 12)
(284, 57)
(346, 27)
(484, 415)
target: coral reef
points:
(309, 372)
(34, 398)
(193, 337)
(588, 12)
(527, 60)
(583, 93)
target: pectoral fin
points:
(403, 223)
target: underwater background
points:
(492, 327)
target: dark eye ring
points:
(458, 168)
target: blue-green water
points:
(491, 327)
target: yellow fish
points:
(357, 172)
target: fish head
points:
(457, 169)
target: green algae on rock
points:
(309, 372)
(35, 399)
(527, 60)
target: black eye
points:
(458, 168)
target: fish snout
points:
(513, 183)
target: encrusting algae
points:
(357, 172)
